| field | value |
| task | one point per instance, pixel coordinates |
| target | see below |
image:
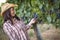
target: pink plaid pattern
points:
(17, 31)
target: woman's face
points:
(12, 12)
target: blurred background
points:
(48, 12)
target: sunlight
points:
(2, 1)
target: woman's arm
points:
(29, 25)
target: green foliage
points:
(1, 21)
(44, 8)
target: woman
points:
(13, 26)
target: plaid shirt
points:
(18, 31)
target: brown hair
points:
(7, 16)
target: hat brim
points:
(11, 5)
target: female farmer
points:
(13, 26)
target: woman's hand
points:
(32, 21)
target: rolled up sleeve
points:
(26, 27)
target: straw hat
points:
(5, 7)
